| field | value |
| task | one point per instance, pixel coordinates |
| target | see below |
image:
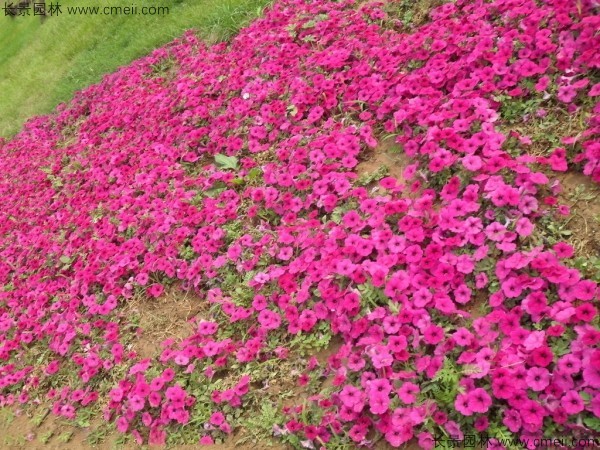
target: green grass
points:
(43, 63)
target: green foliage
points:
(309, 343)
(513, 110)
(443, 388)
(187, 252)
(215, 190)
(6, 416)
(162, 67)
(372, 296)
(225, 18)
(226, 162)
(588, 266)
(45, 437)
(593, 423)
(254, 176)
(561, 346)
(39, 418)
(260, 425)
(370, 177)
(65, 437)
(99, 434)
(409, 13)
(339, 211)
(549, 231)
(502, 433)
(268, 215)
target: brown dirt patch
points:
(582, 195)
(19, 432)
(387, 154)
(167, 317)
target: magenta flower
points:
(397, 437)
(462, 404)
(538, 378)
(572, 402)
(479, 400)
(408, 392)
(217, 418)
(237, 178)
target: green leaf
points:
(593, 423)
(226, 162)
(217, 188)
(254, 173)
(292, 110)
(65, 259)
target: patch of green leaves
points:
(444, 386)
(371, 296)
(226, 162)
(588, 266)
(162, 67)
(318, 339)
(593, 423)
(45, 437)
(260, 425)
(370, 177)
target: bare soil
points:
(582, 195)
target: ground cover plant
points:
(448, 292)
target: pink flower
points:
(398, 437)
(462, 404)
(569, 364)
(217, 418)
(379, 404)
(472, 163)
(408, 392)
(351, 396)
(269, 320)
(136, 403)
(433, 334)
(157, 436)
(122, 424)
(512, 420)
(382, 359)
(142, 278)
(479, 400)
(206, 440)
(572, 402)
(155, 290)
(563, 250)
(538, 378)
(426, 441)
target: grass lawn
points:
(44, 63)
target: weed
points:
(65, 437)
(260, 426)
(99, 434)
(45, 437)
(39, 418)
(6, 416)
(368, 178)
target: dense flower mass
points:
(238, 161)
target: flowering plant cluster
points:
(240, 163)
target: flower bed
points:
(233, 173)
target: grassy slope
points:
(42, 64)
